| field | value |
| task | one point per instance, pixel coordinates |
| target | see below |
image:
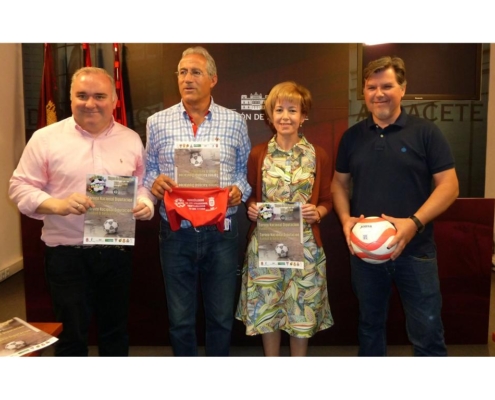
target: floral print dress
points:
(293, 300)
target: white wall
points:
(12, 141)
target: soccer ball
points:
(111, 226)
(196, 159)
(265, 212)
(282, 250)
(97, 184)
(370, 238)
(15, 345)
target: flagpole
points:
(47, 110)
(86, 54)
(119, 112)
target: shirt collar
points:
(400, 122)
(301, 145)
(84, 132)
(208, 114)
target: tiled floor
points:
(12, 304)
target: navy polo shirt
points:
(392, 168)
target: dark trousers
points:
(419, 289)
(90, 281)
(206, 257)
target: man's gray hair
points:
(211, 67)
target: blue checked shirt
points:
(221, 124)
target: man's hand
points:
(161, 184)
(235, 196)
(141, 211)
(347, 226)
(76, 203)
(406, 230)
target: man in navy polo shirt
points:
(391, 160)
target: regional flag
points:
(86, 55)
(47, 111)
(119, 113)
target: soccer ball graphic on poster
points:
(370, 238)
(265, 212)
(111, 226)
(97, 184)
(15, 345)
(196, 159)
(282, 250)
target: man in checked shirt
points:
(201, 255)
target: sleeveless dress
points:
(293, 300)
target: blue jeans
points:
(90, 281)
(419, 289)
(207, 257)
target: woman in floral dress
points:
(287, 169)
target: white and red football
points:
(370, 238)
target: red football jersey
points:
(200, 206)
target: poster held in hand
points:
(280, 235)
(197, 164)
(111, 221)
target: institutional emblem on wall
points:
(253, 102)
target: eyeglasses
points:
(196, 73)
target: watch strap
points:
(419, 225)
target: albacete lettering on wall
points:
(439, 112)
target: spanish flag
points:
(47, 111)
(119, 113)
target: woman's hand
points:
(311, 214)
(252, 212)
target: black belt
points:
(203, 228)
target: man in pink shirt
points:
(50, 184)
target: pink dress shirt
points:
(55, 163)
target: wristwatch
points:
(419, 225)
